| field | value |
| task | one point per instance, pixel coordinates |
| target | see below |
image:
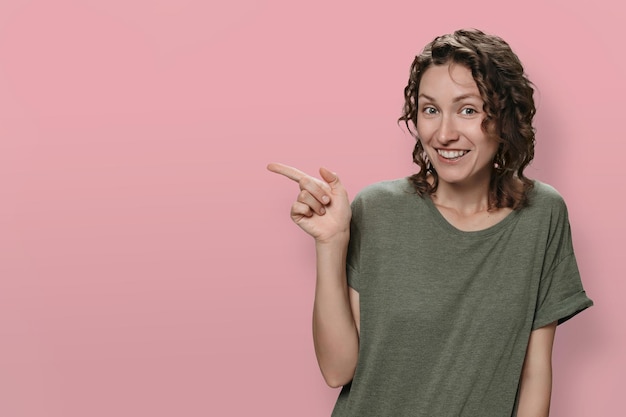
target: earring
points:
(429, 165)
(498, 162)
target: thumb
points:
(330, 177)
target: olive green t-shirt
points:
(446, 315)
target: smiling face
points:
(449, 125)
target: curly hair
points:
(507, 94)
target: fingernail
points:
(322, 210)
(325, 199)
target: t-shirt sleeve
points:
(561, 295)
(354, 247)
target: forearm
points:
(534, 397)
(536, 378)
(334, 329)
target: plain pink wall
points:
(148, 266)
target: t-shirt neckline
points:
(446, 225)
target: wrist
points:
(340, 239)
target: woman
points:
(439, 294)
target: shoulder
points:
(384, 190)
(545, 195)
(545, 200)
(384, 197)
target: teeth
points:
(451, 154)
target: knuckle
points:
(298, 209)
(305, 182)
(302, 195)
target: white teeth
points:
(451, 154)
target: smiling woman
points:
(439, 294)
(483, 68)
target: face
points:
(449, 125)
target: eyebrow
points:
(456, 99)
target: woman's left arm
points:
(536, 379)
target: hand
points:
(322, 208)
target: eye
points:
(468, 111)
(429, 110)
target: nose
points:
(447, 130)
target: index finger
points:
(289, 172)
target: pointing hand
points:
(322, 208)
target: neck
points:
(463, 198)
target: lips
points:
(451, 154)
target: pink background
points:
(148, 266)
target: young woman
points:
(439, 294)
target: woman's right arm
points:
(322, 209)
(335, 327)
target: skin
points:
(449, 120)
(536, 378)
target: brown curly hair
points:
(508, 103)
